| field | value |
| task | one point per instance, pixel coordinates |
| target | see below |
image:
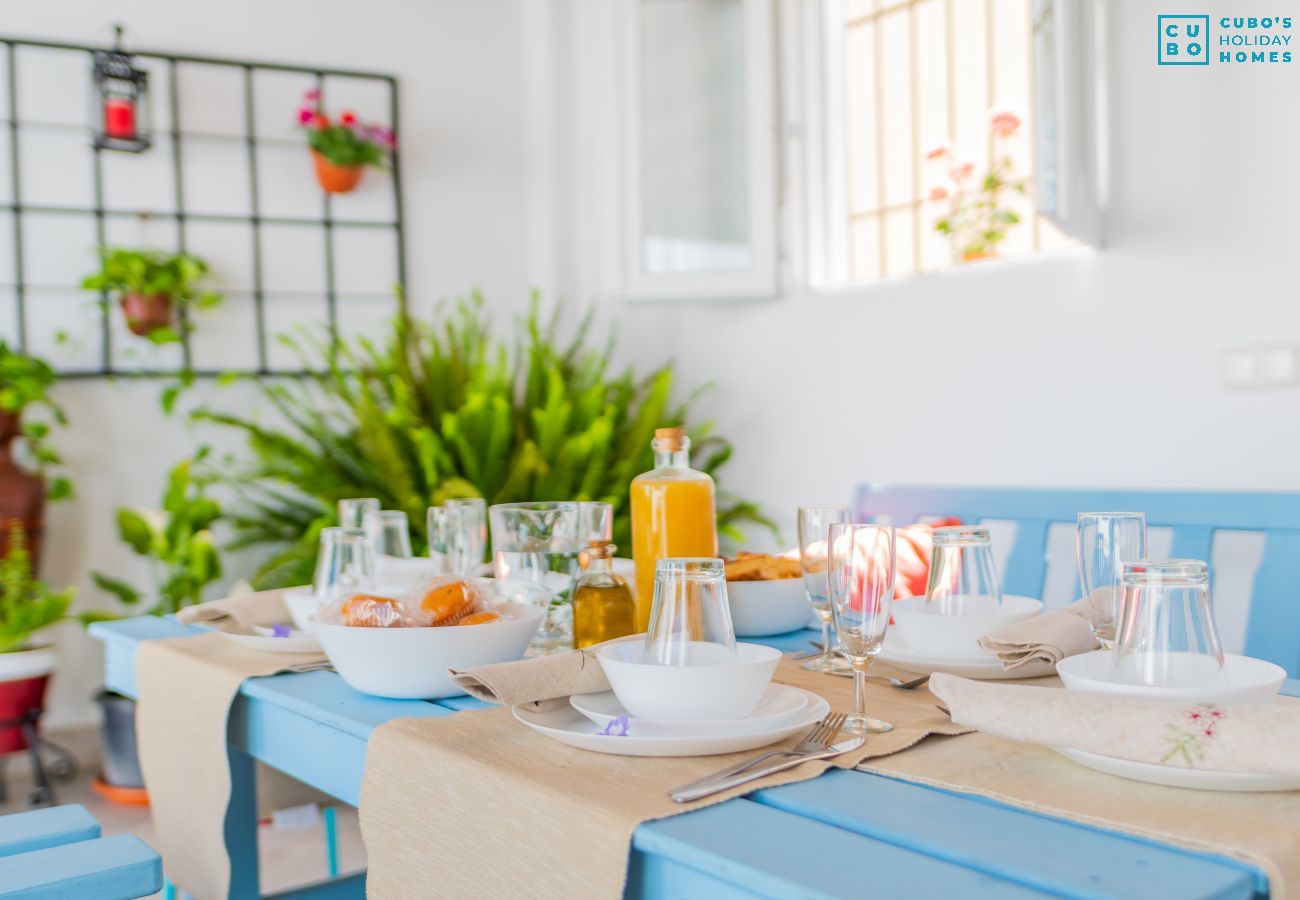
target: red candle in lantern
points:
(119, 118)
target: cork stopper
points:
(670, 438)
(601, 549)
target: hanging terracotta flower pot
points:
(333, 178)
(146, 313)
(973, 255)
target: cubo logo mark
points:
(1183, 40)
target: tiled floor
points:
(289, 857)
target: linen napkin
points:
(1050, 637)
(540, 683)
(1259, 738)
(239, 613)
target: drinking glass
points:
(814, 522)
(352, 512)
(1106, 541)
(963, 580)
(389, 532)
(862, 564)
(690, 621)
(458, 532)
(1167, 635)
(345, 563)
(535, 550)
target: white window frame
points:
(759, 278)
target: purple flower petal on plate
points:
(620, 724)
(280, 631)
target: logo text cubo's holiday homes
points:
(1193, 40)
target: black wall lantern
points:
(121, 96)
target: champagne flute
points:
(1106, 542)
(814, 521)
(863, 560)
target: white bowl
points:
(760, 608)
(412, 663)
(1243, 679)
(688, 693)
(935, 634)
(302, 604)
(778, 704)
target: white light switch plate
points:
(1274, 365)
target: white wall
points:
(465, 153)
(1097, 369)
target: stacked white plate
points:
(1242, 679)
(599, 722)
(927, 643)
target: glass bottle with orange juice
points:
(672, 514)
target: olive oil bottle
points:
(603, 608)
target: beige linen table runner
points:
(185, 686)
(477, 805)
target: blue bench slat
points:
(1048, 854)
(747, 847)
(345, 887)
(1192, 542)
(1246, 511)
(50, 827)
(1273, 630)
(112, 868)
(1026, 567)
(123, 636)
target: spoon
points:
(901, 684)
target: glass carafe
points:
(672, 514)
(603, 608)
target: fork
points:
(819, 743)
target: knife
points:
(720, 781)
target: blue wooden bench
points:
(57, 852)
(1195, 517)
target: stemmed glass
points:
(1106, 542)
(389, 532)
(1167, 635)
(814, 522)
(352, 512)
(863, 561)
(345, 563)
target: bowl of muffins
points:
(403, 646)
(766, 594)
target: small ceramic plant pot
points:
(336, 179)
(146, 313)
(24, 675)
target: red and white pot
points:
(24, 676)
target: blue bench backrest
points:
(1273, 628)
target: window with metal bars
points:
(929, 135)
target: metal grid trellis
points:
(255, 219)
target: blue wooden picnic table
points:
(789, 841)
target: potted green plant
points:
(151, 285)
(444, 409)
(978, 216)
(183, 559)
(27, 605)
(25, 454)
(341, 150)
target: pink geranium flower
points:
(1004, 123)
(939, 192)
(939, 151)
(305, 114)
(961, 170)
(312, 95)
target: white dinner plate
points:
(1242, 679)
(570, 727)
(262, 639)
(983, 668)
(1176, 776)
(780, 702)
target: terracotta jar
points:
(333, 178)
(146, 313)
(22, 494)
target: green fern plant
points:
(440, 410)
(26, 603)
